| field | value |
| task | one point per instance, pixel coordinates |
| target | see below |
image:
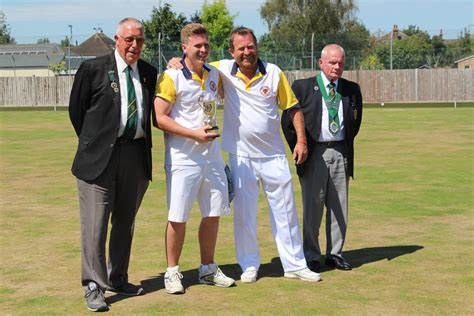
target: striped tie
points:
(333, 109)
(332, 92)
(132, 116)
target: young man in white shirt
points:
(193, 162)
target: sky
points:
(30, 20)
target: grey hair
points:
(132, 21)
(329, 47)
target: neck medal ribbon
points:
(332, 103)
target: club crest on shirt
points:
(265, 91)
(213, 86)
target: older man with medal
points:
(332, 108)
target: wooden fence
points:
(35, 91)
(410, 85)
(413, 85)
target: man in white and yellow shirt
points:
(254, 90)
(193, 162)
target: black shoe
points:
(95, 299)
(314, 266)
(338, 263)
(127, 289)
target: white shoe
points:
(304, 274)
(211, 274)
(173, 281)
(249, 276)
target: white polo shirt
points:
(251, 119)
(182, 88)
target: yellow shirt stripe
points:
(286, 97)
(165, 88)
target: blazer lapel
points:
(113, 77)
(318, 110)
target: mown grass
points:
(410, 234)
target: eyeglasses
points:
(129, 39)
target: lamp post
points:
(69, 48)
(394, 30)
(312, 51)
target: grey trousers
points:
(116, 195)
(325, 183)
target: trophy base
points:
(213, 129)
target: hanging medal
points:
(332, 103)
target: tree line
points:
(297, 28)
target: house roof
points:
(97, 45)
(396, 36)
(463, 59)
(30, 55)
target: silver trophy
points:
(208, 104)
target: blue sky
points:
(30, 20)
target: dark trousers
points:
(116, 195)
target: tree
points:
(5, 37)
(43, 40)
(409, 53)
(291, 24)
(415, 30)
(460, 48)
(64, 42)
(371, 62)
(166, 24)
(419, 49)
(58, 68)
(439, 53)
(195, 17)
(219, 23)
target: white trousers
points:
(274, 174)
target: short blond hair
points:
(192, 29)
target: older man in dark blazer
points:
(110, 106)
(332, 108)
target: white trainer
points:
(249, 276)
(173, 281)
(211, 274)
(304, 274)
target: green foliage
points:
(65, 42)
(219, 23)
(43, 40)
(58, 68)
(195, 17)
(411, 52)
(419, 49)
(415, 30)
(463, 47)
(292, 23)
(163, 20)
(5, 37)
(371, 62)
